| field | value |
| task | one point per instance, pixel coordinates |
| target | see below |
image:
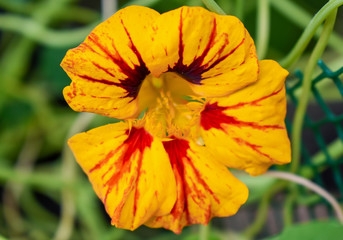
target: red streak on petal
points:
(134, 49)
(137, 193)
(93, 96)
(135, 75)
(213, 116)
(253, 147)
(103, 81)
(106, 70)
(177, 152)
(138, 139)
(193, 72)
(215, 63)
(103, 161)
(255, 102)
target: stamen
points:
(157, 82)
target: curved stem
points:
(310, 185)
(68, 171)
(263, 19)
(108, 8)
(262, 211)
(214, 7)
(12, 191)
(301, 18)
(36, 31)
(311, 28)
(288, 206)
(18, 7)
(41, 180)
(306, 89)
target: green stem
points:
(17, 7)
(263, 19)
(310, 185)
(262, 211)
(311, 28)
(306, 89)
(78, 14)
(239, 10)
(66, 225)
(38, 32)
(289, 204)
(72, 13)
(42, 180)
(89, 212)
(13, 192)
(12, 70)
(204, 232)
(302, 18)
(214, 7)
(108, 8)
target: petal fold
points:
(129, 170)
(108, 68)
(246, 130)
(200, 196)
(214, 53)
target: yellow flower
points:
(209, 104)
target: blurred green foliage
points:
(38, 176)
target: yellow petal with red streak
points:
(129, 170)
(108, 68)
(246, 130)
(200, 196)
(214, 53)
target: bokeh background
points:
(45, 195)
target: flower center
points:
(165, 100)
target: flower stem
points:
(314, 187)
(37, 179)
(13, 192)
(239, 9)
(36, 31)
(66, 224)
(262, 211)
(108, 8)
(263, 19)
(311, 28)
(289, 204)
(214, 7)
(301, 18)
(204, 232)
(306, 89)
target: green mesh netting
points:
(323, 127)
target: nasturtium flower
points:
(208, 104)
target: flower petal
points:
(129, 170)
(107, 69)
(246, 129)
(214, 53)
(200, 196)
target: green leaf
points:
(315, 230)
